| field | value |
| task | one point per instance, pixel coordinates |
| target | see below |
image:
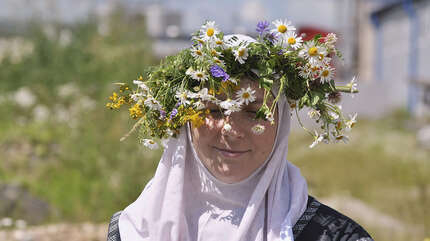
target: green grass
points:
(75, 163)
(382, 166)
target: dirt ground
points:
(58, 232)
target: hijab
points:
(185, 202)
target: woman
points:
(225, 176)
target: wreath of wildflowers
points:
(173, 93)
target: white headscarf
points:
(171, 207)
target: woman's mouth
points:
(230, 153)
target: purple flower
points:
(271, 37)
(173, 113)
(217, 71)
(281, 52)
(262, 27)
(162, 114)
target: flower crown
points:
(173, 93)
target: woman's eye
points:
(251, 114)
(216, 113)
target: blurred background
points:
(63, 171)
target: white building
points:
(401, 54)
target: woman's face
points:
(233, 155)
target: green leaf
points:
(266, 83)
(261, 113)
(315, 99)
(304, 101)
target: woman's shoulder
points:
(320, 222)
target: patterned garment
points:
(318, 223)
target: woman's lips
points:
(230, 153)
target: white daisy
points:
(318, 139)
(216, 60)
(311, 50)
(258, 129)
(330, 40)
(293, 41)
(227, 127)
(141, 85)
(136, 96)
(218, 43)
(269, 117)
(197, 52)
(198, 39)
(190, 71)
(314, 114)
(351, 122)
(314, 71)
(151, 144)
(241, 54)
(245, 95)
(230, 106)
(209, 31)
(152, 103)
(182, 96)
(333, 115)
(320, 60)
(200, 75)
(234, 108)
(343, 138)
(199, 105)
(282, 27)
(353, 85)
(204, 96)
(305, 71)
(233, 80)
(215, 53)
(326, 74)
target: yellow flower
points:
(212, 92)
(114, 96)
(121, 100)
(109, 105)
(196, 119)
(135, 111)
(224, 85)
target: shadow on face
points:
(232, 154)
